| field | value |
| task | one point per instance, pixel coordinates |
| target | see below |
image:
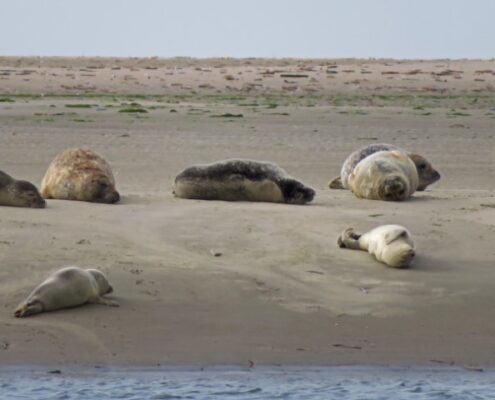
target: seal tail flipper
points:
(349, 239)
(336, 183)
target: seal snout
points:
(19, 312)
(39, 203)
(113, 197)
(309, 195)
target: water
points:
(343, 383)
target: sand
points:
(281, 292)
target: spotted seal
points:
(79, 174)
(241, 180)
(385, 175)
(16, 193)
(426, 173)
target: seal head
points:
(426, 173)
(19, 193)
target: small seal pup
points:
(16, 193)
(79, 174)
(67, 287)
(389, 244)
(426, 173)
(385, 175)
(241, 180)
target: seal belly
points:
(229, 190)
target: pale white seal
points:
(385, 175)
(67, 287)
(389, 244)
(426, 173)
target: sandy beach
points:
(281, 292)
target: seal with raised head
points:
(65, 288)
(389, 244)
(16, 193)
(241, 180)
(385, 175)
(426, 173)
(79, 174)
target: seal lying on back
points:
(241, 180)
(79, 174)
(385, 175)
(389, 244)
(68, 287)
(426, 173)
(16, 193)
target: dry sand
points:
(281, 292)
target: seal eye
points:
(422, 166)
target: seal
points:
(389, 244)
(79, 174)
(385, 175)
(16, 193)
(426, 173)
(67, 287)
(241, 180)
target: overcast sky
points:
(249, 28)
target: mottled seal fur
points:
(68, 287)
(241, 180)
(426, 173)
(385, 175)
(79, 174)
(389, 244)
(16, 193)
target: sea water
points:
(341, 383)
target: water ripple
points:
(256, 384)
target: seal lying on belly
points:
(389, 244)
(385, 175)
(67, 287)
(16, 193)
(241, 180)
(79, 174)
(426, 173)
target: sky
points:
(402, 29)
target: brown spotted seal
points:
(79, 174)
(389, 244)
(241, 180)
(426, 173)
(385, 175)
(16, 193)
(67, 287)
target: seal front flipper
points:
(105, 302)
(336, 183)
(28, 308)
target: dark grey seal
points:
(16, 193)
(241, 180)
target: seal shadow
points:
(428, 264)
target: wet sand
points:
(281, 292)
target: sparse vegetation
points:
(79, 105)
(133, 110)
(227, 115)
